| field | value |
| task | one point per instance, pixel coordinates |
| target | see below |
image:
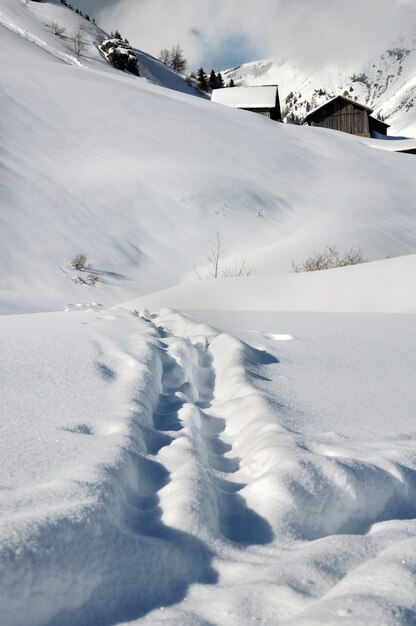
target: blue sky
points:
(224, 33)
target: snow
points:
(99, 162)
(215, 501)
(246, 97)
(250, 461)
(394, 145)
(385, 83)
(382, 287)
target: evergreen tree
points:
(202, 79)
(231, 83)
(213, 80)
(220, 81)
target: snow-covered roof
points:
(262, 97)
(349, 100)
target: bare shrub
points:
(92, 279)
(240, 268)
(56, 29)
(79, 41)
(79, 262)
(216, 268)
(330, 258)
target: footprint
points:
(80, 429)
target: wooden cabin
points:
(347, 116)
(263, 99)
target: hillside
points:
(385, 83)
(99, 162)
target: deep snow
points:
(253, 463)
(100, 162)
(165, 470)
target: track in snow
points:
(201, 508)
(190, 428)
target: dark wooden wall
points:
(344, 116)
(377, 126)
(273, 114)
(265, 112)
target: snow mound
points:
(381, 287)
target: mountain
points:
(386, 83)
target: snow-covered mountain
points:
(386, 83)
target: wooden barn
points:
(263, 99)
(345, 115)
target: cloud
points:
(221, 33)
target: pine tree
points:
(231, 83)
(213, 80)
(202, 79)
(220, 81)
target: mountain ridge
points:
(386, 83)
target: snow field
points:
(160, 470)
(323, 507)
(381, 287)
(164, 482)
(99, 162)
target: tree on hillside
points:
(178, 62)
(79, 41)
(220, 81)
(202, 79)
(212, 80)
(174, 58)
(164, 56)
(231, 83)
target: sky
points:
(224, 33)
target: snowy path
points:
(162, 485)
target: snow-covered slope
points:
(139, 178)
(385, 83)
(51, 26)
(382, 287)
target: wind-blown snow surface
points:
(380, 287)
(100, 162)
(167, 471)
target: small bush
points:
(56, 29)
(330, 258)
(92, 279)
(216, 268)
(79, 262)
